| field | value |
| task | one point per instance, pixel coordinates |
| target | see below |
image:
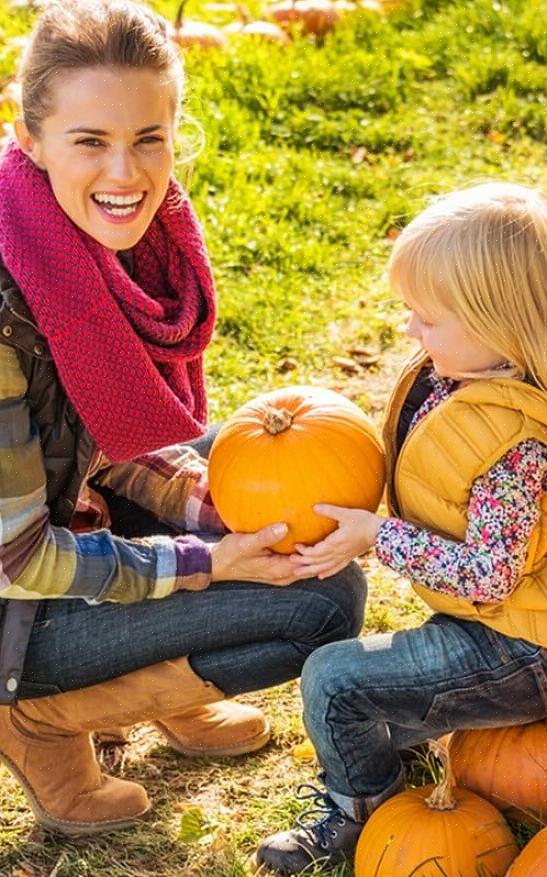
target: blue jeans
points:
(240, 636)
(366, 699)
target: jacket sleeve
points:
(172, 484)
(41, 561)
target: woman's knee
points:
(346, 592)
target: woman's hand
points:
(355, 534)
(248, 557)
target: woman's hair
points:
(76, 34)
(481, 253)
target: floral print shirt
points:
(504, 508)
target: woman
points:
(107, 305)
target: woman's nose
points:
(122, 166)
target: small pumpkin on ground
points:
(507, 766)
(187, 32)
(316, 17)
(257, 29)
(532, 860)
(435, 830)
(287, 450)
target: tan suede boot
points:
(212, 731)
(45, 742)
(216, 730)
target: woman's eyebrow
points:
(98, 132)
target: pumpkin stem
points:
(277, 419)
(442, 796)
(179, 17)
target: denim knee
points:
(332, 610)
(323, 674)
(348, 590)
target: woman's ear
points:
(29, 145)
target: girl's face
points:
(453, 350)
(107, 149)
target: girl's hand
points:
(355, 534)
(248, 557)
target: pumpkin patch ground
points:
(317, 151)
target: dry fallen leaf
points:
(346, 364)
(304, 751)
(358, 154)
(495, 136)
(286, 364)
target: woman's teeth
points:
(119, 205)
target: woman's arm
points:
(172, 484)
(504, 508)
(39, 560)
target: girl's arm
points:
(504, 509)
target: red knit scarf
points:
(128, 351)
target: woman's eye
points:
(89, 141)
(150, 139)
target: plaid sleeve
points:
(172, 484)
(38, 560)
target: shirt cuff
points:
(183, 563)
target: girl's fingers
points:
(332, 571)
(318, 569)
(329, 511)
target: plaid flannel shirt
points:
(40, 560)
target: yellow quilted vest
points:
(430, 479)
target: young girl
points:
(466, 442)
(106, 306)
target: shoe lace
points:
(324, 815)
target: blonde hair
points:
(481, 253)
(75, 34)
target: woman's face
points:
(107, 149)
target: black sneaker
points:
(329, 840)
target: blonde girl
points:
(466, 442)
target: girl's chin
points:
(445, 372)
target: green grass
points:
(312, 154)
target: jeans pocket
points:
(508, 648)
(510, 698)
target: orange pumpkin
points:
(287, 450)
(435, 830)
(532, 860)
(507, 766)
(187, 33)
(316, 17)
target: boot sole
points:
(252, 744)
(72, 829)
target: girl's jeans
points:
(366, 699)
